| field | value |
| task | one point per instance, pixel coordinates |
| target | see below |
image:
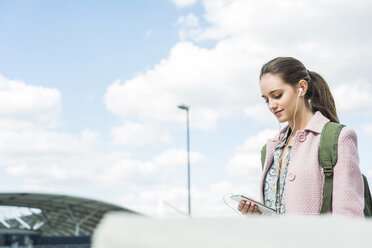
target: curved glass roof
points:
(58, 215)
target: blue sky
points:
(80, 47)
(89, 91)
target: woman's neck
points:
(302, 118)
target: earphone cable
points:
(294, 117)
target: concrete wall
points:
(122, 231)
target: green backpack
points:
(327, 159)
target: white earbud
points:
(299, 93)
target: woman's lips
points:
(278, 112)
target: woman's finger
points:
(241, 205)
(251, 208)
(246, 206)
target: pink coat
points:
(305, 178)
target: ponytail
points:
(318, 96)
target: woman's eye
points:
(267, 101)
(278, 96)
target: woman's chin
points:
(282, 119)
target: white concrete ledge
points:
(118, 230)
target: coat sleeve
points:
(348, 187)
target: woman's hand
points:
(247, 207)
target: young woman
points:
(292, 180)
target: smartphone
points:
(261, 207)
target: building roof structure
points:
(56, 215)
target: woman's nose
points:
(272, 104)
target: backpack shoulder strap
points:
(263, 156)
(367, 198)
(327, 159)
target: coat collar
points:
(317, 122)
(315, 125)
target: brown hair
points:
(318, 96)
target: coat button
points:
(291, 176)
(302, 137)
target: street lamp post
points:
(184, 107)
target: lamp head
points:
(182, 106)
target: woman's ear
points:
(303, 86)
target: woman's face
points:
(279, 96)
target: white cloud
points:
(46, 160)
(244, 165)
(38, 142)
(27, 114)
(255, 143)
(161, 169)
(188, 26)
(27, 105)
(53, 171)
(127, 171)
(254, 32)
(354, 97)
(222, 81)
(136, 134)
(154, 201)
(261, 113)
(90, 168)
(36, 158)
(367, 129)
(190, 20)
(161, 200)
(90, 137)
(214, 83)
(215, 200)
(246, 162)
(183, 3)
(285, 20)
(178, 157)
(33, 154)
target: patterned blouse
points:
(274, 186)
